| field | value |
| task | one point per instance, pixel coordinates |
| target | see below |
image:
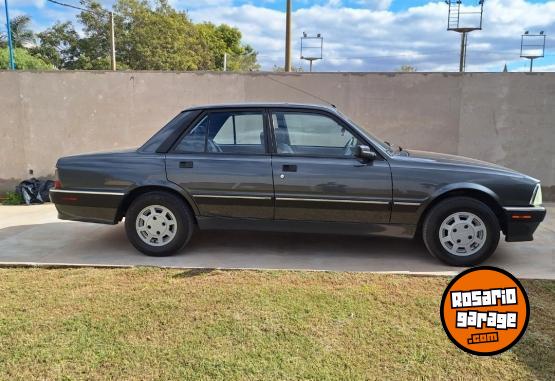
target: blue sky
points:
(361, 35)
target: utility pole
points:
(287, 66)
(113, 40)
(225, 61)
(9, 30)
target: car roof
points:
(263, 105)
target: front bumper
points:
(522, 222)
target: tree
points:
(21, 33)
(62, 46)
(150, 35)
(407, 69)
(224, 39)
(23, 60)
(59, 45)
(94, 48)
(158, 38)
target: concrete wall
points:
(504, 118)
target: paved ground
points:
(33, 235)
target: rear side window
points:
(240, 129)
(195, 140)
(226, 132)
(158, 140)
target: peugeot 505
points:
(300, 168)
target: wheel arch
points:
(478, 192)
(140, 190)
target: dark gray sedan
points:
(301, 168)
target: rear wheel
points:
(461, 231)
(158, 224)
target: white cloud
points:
(364, 35)
(375, 4)
(191, 4)
(377, 39)
(21, 3)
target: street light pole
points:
(113, 41)
(9, 30)
(287, 66)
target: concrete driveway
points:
(33, 235)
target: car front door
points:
(223, 163)
(317, 176)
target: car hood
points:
(442, 158)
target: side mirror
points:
(364, 152)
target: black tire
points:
(183, 216)
(445, 208)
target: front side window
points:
(312, 134)
(226, 132)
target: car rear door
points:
(222, 161)
(316, 175)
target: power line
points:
(400, 55)
(101, 10)
(70, 6)
(409, 55)
(300, 90)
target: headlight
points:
(536, 199)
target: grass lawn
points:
(148, 323)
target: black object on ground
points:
(34, 191)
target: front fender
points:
(463, 188)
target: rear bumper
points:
(87, 206)
(521, 223)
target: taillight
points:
(57, 182)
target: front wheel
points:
(461, 231)
(158, 224)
